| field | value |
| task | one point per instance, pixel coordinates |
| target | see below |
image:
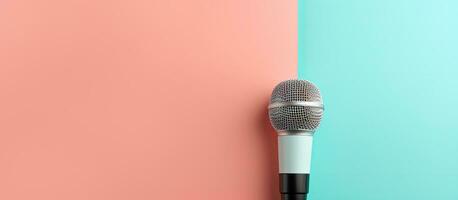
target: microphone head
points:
(295, 107)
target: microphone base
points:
(293, 196)
(294, 186)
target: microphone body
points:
(294, 155)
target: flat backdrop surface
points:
(388, 73)
(137, 100)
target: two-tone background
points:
(167, 99)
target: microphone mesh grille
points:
(295, 90)
(295, 117)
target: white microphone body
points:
(294, 154)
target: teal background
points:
(388, 72)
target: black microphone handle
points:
(293, 197)
(294, 186)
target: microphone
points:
(295, 112)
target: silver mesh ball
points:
(295, 90)
(295, 117)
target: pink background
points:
(141, 99)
